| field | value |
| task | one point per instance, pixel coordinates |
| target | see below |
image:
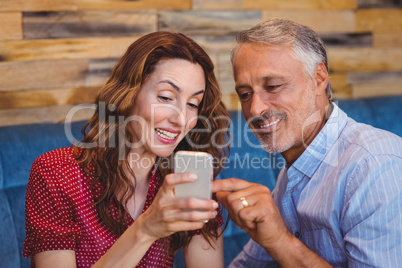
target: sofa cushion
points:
(381, 112)
(16, 200)
(21, 145)
(8, 237)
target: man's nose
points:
(259, 104)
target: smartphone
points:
(199, 163)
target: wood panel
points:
(365, 59)
(42, 74)
(300, 4)
(217, 4)
(207, 22)
(217, 43)
(321, 21)
(131, 5)
(99, 71)
(55, 114)
(341, 88)
(37, 5)
(45, 25)
(387, 39)
(11, 26)
(49, 97)
(379, 20)
(378, 3)
(225, 74)
(119, 45)
(78, 48)
(370, 84)
(391, 88)
(71, 46)
(347, 40)
(235, 102)
(373, 77)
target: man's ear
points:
(321, 78)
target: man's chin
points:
(272, 149)
(275, 148)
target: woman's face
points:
(166, 107)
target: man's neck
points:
(319, 118)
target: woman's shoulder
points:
(58, 167)
(57, 157)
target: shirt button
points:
(297, 234)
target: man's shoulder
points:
(369, 140)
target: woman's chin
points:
(164, 152)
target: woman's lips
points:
(166, 136)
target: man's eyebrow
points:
(264, 79)
(237, 88)
(172, 84)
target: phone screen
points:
(199, 163)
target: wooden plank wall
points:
(56, 54)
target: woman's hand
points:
(168, 214)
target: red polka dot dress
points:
(59, 214)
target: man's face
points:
(278, 97)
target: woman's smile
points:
(166, 136)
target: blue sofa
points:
(20, 145)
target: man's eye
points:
(244, 96)
(272, 87)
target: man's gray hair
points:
(307, 46)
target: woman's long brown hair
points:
(106, 157)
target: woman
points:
(110, 202)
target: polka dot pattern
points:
(59, 214)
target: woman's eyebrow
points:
(178, 89)
(199, 92)
(172, 84)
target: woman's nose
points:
(177, 115)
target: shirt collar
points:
(317, 151)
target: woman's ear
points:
(321, 78)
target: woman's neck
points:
(141, 163)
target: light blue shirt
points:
(342, 197)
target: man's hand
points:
(257, 215)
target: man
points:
(338, 200)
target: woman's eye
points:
(164, 99)
(193, 105)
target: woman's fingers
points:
(169, 214)
(195, 203)
(176, 178)
(178, 226)
(188, 215)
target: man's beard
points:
(268, 140)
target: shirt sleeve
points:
(253, 255)
(49, 211)
(372, 217)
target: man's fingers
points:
(231, 184)
(222, 198)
